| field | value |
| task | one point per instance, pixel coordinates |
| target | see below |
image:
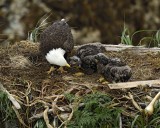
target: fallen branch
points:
(122, 47)
(10, 97)
(148, 83)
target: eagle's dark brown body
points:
(58, 35)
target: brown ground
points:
(28, 77)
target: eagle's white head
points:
(56, 57)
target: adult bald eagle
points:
(56, 41)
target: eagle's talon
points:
(105, 82)
(61, 70)
(51, 70)
(101, 79)
(78, 74)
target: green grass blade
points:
(134, 121)
(141, 31)
(157, 37)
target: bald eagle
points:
(56, 41)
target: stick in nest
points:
(45, 116)
(134, 102)
(69, 118)
(19, 117)
(54, 105)
(38, 116)
(10, 97)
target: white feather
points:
(56, 57)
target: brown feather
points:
(58, 35)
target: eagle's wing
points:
(68, 44)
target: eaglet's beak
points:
(67, 65)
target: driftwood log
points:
(121, 47)
(134, 84)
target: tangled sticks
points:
(92, 59)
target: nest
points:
(23, 74)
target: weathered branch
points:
(122, 47)
(149, 83)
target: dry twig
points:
(45, 116)
(19, 117)
(69, 118)
(38, 116)
(134, 102)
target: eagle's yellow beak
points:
(67, 65)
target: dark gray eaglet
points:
(90, 55)
(75, 61)
(55, 42)
(85, 57)
(89, 49)
(115, 71)
(89, 63)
